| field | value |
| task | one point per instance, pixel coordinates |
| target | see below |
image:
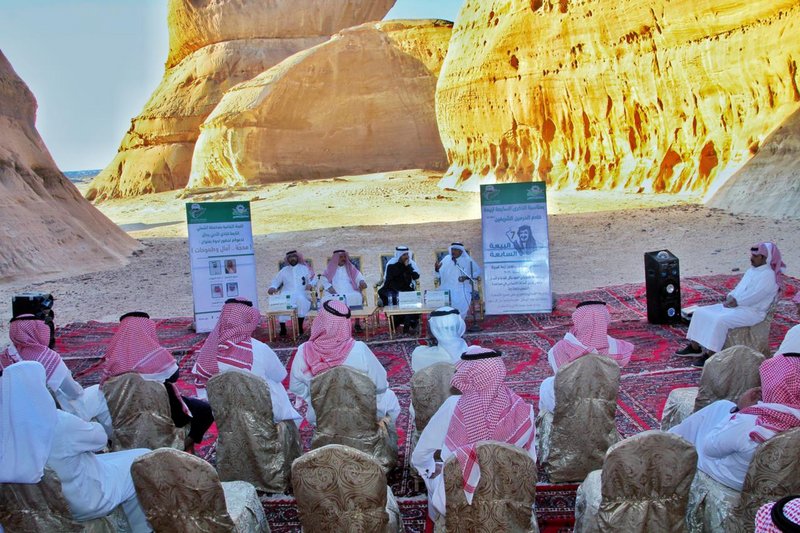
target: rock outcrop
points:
(214, 45)
(769, 184)
(46, 226)
(359, 103)
(662, 96)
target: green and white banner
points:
(516, 248)
(222, 258)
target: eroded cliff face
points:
(46, 226)
(663, 96)
(362, 102)
(214, 45)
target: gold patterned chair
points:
(504, 498)
(251, 446)
(140, 414)
(755, 336)
(181, 493)
(344, 401)
(726, 376)
(643, 486)
(339, 488)
(430, 387)
(774, 473)
(41, 508)
(574, 439)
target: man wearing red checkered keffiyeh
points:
(782, 516)
(726, 435)
(486, 410)
(332, 344)
(230, 347)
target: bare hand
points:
(462, 278)
(362, 284)
(749, 398)
(272, 291)
(437, 266)
(730, 302)
(331, 290)
(437, 471)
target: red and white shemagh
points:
(333, 265)
(487, 410)
(590, 327)
(135, 348)
(779, 409)
(229, 342)
(8, 358)
(331, 339)
(31, 339)
(764, 523)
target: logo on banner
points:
(490, 193)
(196, 210)
(534, 192)
(241, 211)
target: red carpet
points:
(524, 340)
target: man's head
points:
(342, 256)
(292, 258)
(456, 250)
(758, 255)
(404, 258)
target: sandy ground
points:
(597, 239)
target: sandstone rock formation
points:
(214, 45)
(661, 96)
(769, 184)
(362, 102)
(46, 226)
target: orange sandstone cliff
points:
(662, 96)
(46, 226)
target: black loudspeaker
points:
(663, 283)
(38, 304)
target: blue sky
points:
(92, 65)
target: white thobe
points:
(295, 280)
(723, 443)
(424, 356)
(460, 291)
(754, 294)
(94, 485)
(432, 439)
(341, 283)
(360, 358)
(268, 367)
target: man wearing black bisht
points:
(399, 276)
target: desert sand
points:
(597, 238)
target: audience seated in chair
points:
(135, 348)
(181, 493)
(486, 410)
(37, 434)
(231, 347)
(251, 445)
(447, 328)
(643, 486)
(726, 376)
(30, 339)
(339, 488)
(585, 390)
(331, 344)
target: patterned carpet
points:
(524, 341)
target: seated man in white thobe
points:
(36, 434)
(589, 334)
(746, 305)
(30, 339)
(341, 277)
(486, 410)
(230, 347)
(726, 435)
(447, 328)
(331, 344)
(298, 279)
(455, 271)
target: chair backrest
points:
(583, 421)
(504, 497)
(339, 488)
(140, 413)
(383, 260)
(180, 493)
(36, 507)
(282, 263)
(250, 446)
(344, 400)
(645, 483)
(430, 387)
(728, 374)
(774, 472)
